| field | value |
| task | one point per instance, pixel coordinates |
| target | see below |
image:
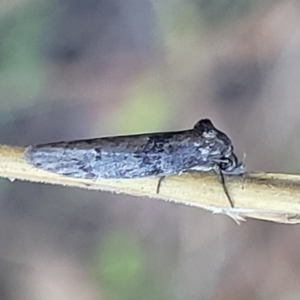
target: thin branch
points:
(273, 197)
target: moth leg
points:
(159, 184)
(221, 178)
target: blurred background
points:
(73, 69)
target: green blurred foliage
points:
(22, 73)
(147, 107)
(122, 271)
(216, 12)
(194, 15)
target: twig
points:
(266, 196)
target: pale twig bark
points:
(274, 197)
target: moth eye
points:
(229, 164)
(226, 166)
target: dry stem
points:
(274, 197)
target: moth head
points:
(209, 132)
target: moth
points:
(203, 148)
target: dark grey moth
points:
(203, 148)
